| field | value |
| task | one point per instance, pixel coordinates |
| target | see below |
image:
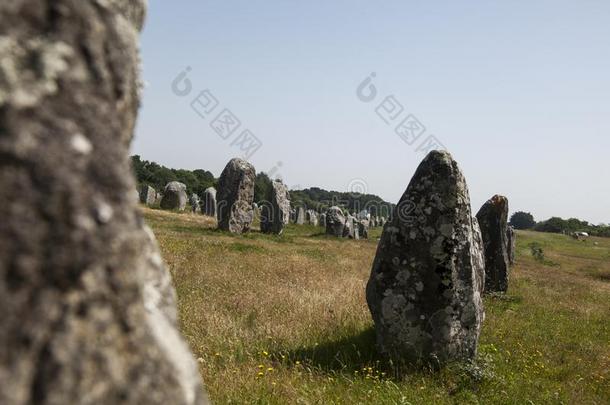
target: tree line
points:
(525, 220)
(196, 181)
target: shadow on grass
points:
(357, 355)
(348, 354)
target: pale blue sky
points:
(518, 92)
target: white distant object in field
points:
(580, 235)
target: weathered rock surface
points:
(349, 231)
(87, 310)
(275, 214)
(363, 228)
(174, 196)
(300, 216)
(235, 196)
(147, 195)
(335, 222)
(493, 219)
(312, 217)
(209, 202)
(512, 244)
(424, 289)
(322, 222)
(195, 203)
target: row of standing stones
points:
(431, 265)
(87, 307)
(235, 209)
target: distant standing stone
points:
(363, 228)
(493, 219)
(148, 195)
(300, 216)
(335, 221)
(174, 196)
(275, 214)
(235, 196)
(512, 242)
(322, 220)
(255, 211)
(209, 202)
(423, 292)
(194, 201)
(350, 228)
(312, 217)
(356, 229)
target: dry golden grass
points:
(284, 320)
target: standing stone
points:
(300, 215)
(349, 229)
(356, 229)
(322, 222)
(381, 221)
(255, 211)
(424, 289)
(372, 222)
(312, 217)
(148, 195)
(512, 242)
(493, 219)
(194, 201)
(335, 221)
(87, 309)
(235, 196)
(174, 196)
(275, 214)
(363, 228)
(209, 202)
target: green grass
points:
(277, 320)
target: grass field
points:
(283, 320)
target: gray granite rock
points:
(363, 228)
(209, 202)
(348, 229)
(424, 289)
(195, 203)
(174, 196)
(87, 310)
(493, 219)
(235, 196)
(312, 217)
(300, 216)
(275, 214)
(147, 195)
(351, 228)
(335, 221)
(322, 222)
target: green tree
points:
(262, 188)
(522, 220)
